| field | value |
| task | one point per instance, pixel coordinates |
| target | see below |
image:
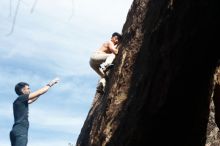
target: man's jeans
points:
(18, 139)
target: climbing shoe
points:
(104, 69)
(100, 88)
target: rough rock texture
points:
(213, 133)
(158, 93)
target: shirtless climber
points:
(101, 60)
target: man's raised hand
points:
(54, 81)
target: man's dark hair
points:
(118, 35)
(19, 87)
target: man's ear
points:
(22, 90)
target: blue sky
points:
(56, 39)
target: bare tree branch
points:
(14, 18)
(72, 13)
(33, 6)
(32, 10)
(10, 8)
(15, 15)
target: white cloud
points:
(53, 142)
(55, 120)
(43, 142)
(5, 142)
(6, 122)
(6, 111)
(9, 77)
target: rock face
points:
(213, 133)
(159, 91)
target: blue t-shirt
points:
(20, 109)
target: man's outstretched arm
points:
(35, 95)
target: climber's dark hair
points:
(118, 35)
(19, 87)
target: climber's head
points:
(116, 38)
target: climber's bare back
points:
(105, 48)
